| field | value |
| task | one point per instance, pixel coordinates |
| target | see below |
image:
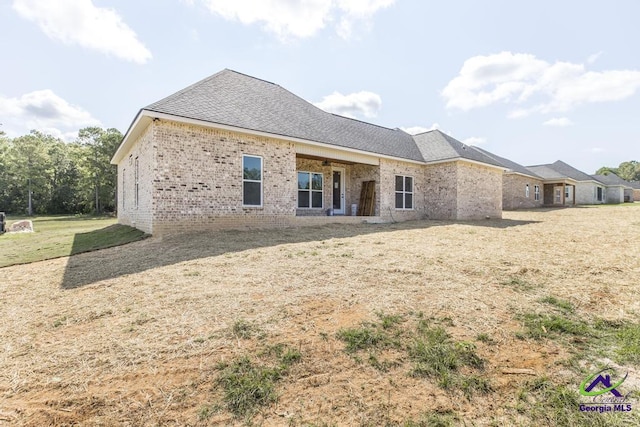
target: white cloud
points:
(558, 122)
(45, 111)
(415, 130)
(594, 57)
(358, 104)
(534, 85)
(299, 18)
(474, 140)
(81, 22)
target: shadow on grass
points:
(92, 267)
(113, 235)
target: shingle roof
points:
(612, 179)
(509, 164)
(546, 172)
(437, 146)
(566, 170)
(235, 99)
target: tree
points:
(629, 170)
(626, 170)
(100, 177)
(29, 170)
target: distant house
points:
(636, 190)
(566, 185)
(234, 151)
(521, 187)
(618, 190)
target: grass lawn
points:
(58, 236)
(424, 323)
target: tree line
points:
(629, 171)
(63, 177)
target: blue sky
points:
(531, 81)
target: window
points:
(404, 192)
(526, 191)
(251, 180)
(536, 192)
(124, 188)
(567, 192)
(310, 190)
(599, 194)
(136, 189)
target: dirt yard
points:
(136, 335)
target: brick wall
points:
(479, 191)
(514, 192)
(615, 195)
(138, 214)
(586, 193)
(440, 194)
(198, 182)
(386, 190)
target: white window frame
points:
(310, 190)
(124, 188)
(526, 191)
(260, 181)
(536, 193)
(136, 182)
(404, 193)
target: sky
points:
(534, 82)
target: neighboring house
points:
(521, 187)
(636, 190)
(234, 151)
(566, 185)
(618, 190)
(557, 188)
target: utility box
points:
(3, 219)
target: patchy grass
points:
(138, 340)
(540, 326)
(434, 419)
(59, 236)
(518, 283)
(248, 385)
(561, 304)
(628, 344)
(244, 329)
(425, 343)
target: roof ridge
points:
(186, 89)
(251, 77)
(427, 131)
(358, 120)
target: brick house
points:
(234, 151)
(618, 190)
(566, 185)
(521, 187)
(635, 185)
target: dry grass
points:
(135, 335)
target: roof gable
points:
(510, 164)
(438, 146)
(612, 179)
(570, 171)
